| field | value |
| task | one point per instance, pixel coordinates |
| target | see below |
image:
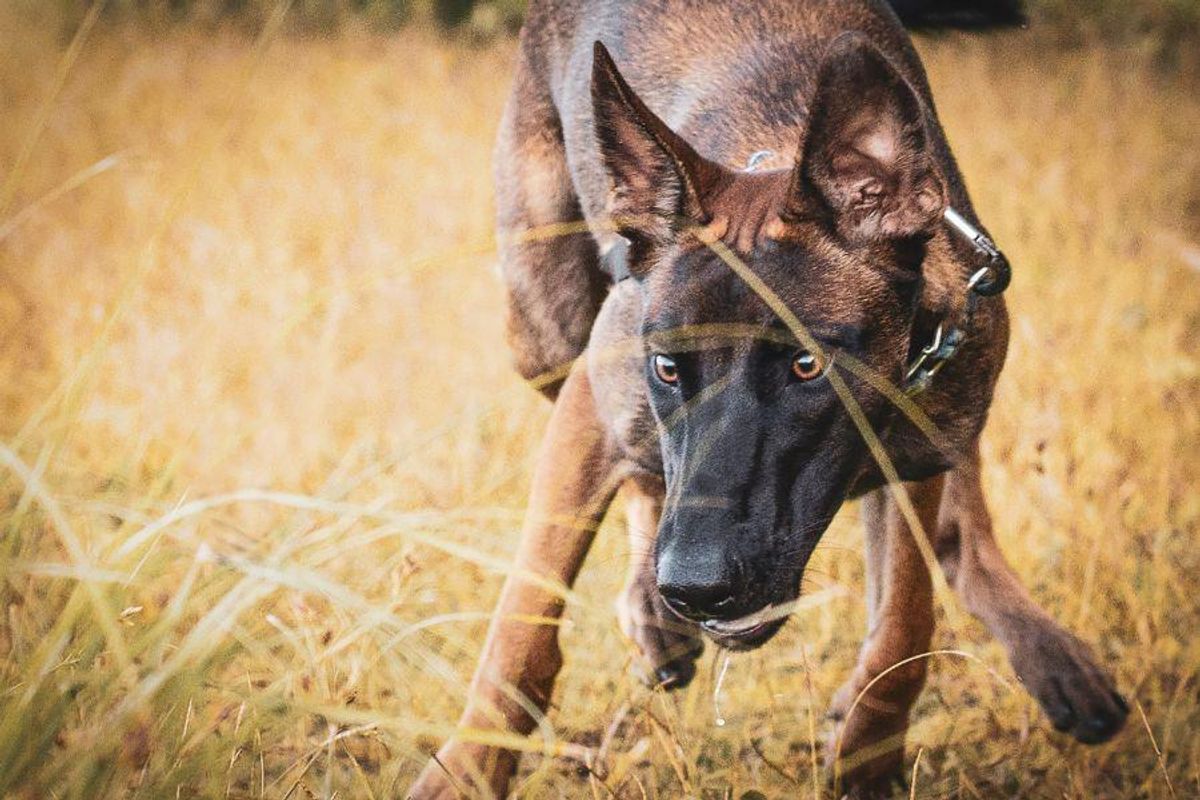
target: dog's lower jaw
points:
(750, 638)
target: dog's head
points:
(758, 446)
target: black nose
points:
(699, 587)
(699, 601)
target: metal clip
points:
(926, 352)
(936, 354)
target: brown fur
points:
(694, 89)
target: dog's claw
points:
(676, 673)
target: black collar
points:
(988, 280)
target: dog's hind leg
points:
(548, 259)
(667, 644)
(578, 472)
(872, 706)
(1056, 667)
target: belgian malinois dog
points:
(779, 260)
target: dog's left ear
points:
(658, 179)
(866, 157)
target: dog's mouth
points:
(750, 631)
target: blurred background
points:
(263, 459)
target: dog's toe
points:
(677, 674)
(677, 670)
(1095, 711)
(1103, 716)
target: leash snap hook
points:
(989, 280)
(996, 275)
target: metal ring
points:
(977, 277)
(992, 279)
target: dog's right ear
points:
(657, 177)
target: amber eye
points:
(665, 369)
(807, 366)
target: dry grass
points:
(227, 267)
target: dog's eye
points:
(807, 366)
(665, 369)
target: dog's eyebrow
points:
(666, 334)
(839, 334)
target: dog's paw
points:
(668, 647)
(464, 770)
(1078, 696)
(882, 788)
(864, 747)
(877, 779)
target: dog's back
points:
(733, 78)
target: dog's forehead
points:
(815, 280)
(801, 262)
(745, 208)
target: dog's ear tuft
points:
(866, 157)
(657, 177)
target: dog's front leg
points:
(1055, 666)
(576, 477)
(667, 645)
(872, 707)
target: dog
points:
(780, 299)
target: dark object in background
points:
(962, 14)
(453, 12)
(1170, 29)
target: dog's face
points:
(759, 447)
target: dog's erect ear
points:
(866, 157)
(657, 177)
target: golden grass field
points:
(264, 459)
